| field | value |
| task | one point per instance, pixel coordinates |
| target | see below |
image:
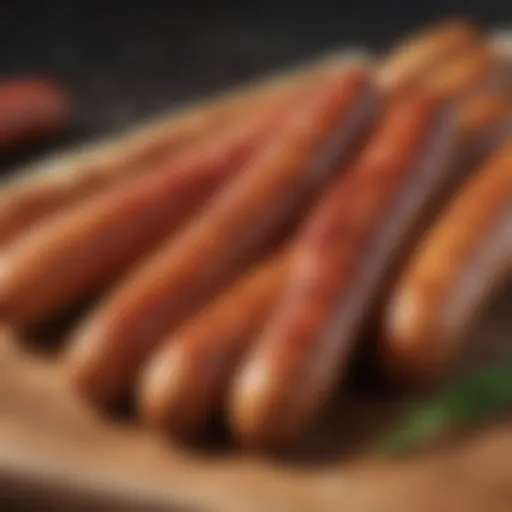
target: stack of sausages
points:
(231, 257)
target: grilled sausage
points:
(347, 249)
(483, 122)
(186, 380)
(30, 109)
(37, 194)
(452, 272)
(64, 260)
(461, 76)
(423, 52)
(230, 233)
(482, 110)
(486, 122)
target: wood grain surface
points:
(54, 450)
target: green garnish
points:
(471, 401)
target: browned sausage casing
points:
(346, 250)
(186, 379)
(70, 256)
(465, 74)
(229, 234)
(425, 51)
(486, 123)
(456, 266)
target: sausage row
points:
(242, 252)
(50, 188)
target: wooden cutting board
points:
(55, 450)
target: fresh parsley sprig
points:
(471, 401)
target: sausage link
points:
(461, 76)
(70, 256)
(184, 273)
(423, 52)
(186, 380)
(37, 194)
(484, 109)
(454, 269)
(31, 109)
(483, 123)
(347, 249)
(486, 123)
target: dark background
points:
(124, 61)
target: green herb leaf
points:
(472, 400)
